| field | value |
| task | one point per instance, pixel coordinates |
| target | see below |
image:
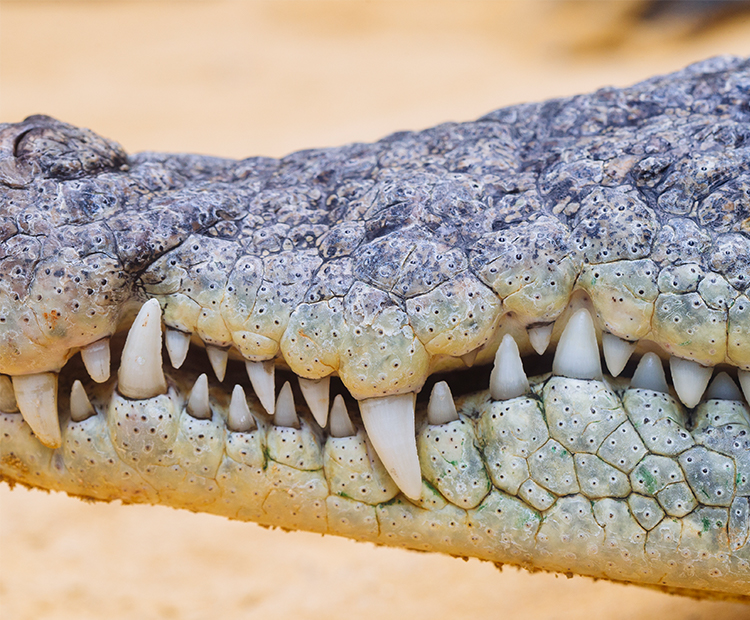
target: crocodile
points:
(402, 342)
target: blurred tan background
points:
(270, 77)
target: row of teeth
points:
(389, 421)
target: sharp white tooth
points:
(690, 379)
(197, 405)
(341, 423)
(441, 409)
(539, 337)
(261, 377)
(744, 378)
(389, 422)
(178, 344)
(239, 419)
(508, 379)
(7, 397)
(80, 405)
(649, 375)
(36, 396)
(141, 375)
(723, 388)
(617, 352)
(218, 358)
(286, 414)
(577, 354)
(470, 357)
(317, 394)
(96, 359)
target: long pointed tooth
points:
(261, 377)
(649, 375)
(441, 409)
(690, 379)
(36, 396)
(577, 354)
(239, 419)
(539, 337)
(744, 379)
(96, 359)
(178, 344)
(723, 388)
(7, 397)
(341, 423)
(197, 405)
(470, 357)
(141, 375)
(389, 422)
(218, 358)
(617, 352)
(80, 405)
(508, 379)
(286, 414)
(317, 395)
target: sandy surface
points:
(247, 78)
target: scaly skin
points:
(383, 264)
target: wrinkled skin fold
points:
(384, 265)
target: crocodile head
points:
(392, 275)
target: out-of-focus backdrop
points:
(269, 77)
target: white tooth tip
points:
(218, 358)
(617, 352)
(317, 395)
(96, 359)
(239, 419)
(7, 397)
(389, 422)
(723, 388)
(649, 375)
(577, 354)
(508, 379)
(744, 378)
(141, 375)
(539, 337)
(178, 344)
(36, 396)
(470, 357)
(690, 379)
(441, 409)
(80, 405)
(286, 414)
(261, 375)
(341, 423)
(197, 405)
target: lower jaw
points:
(482, 495)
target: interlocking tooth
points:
(178, 344)
(470, 357)
(141, 375)
(286, 414)
(96, 360)
(617, 352)
(577, 354)
(649, 375)
(341, 423)
(389, 422)
(36, 396)
(508, 379)
(441, 409)
(7, 397)
(218, 358)
(690, 379)
(723, 387)
(744, 378)
(317, 395)
(239, 419)
(80, 405)
(261, 376)
(539, 337)
(197, 405)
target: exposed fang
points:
(389, 422)
(286, 415)
(649, 375)
(261, 376)
(36, 396)
(197, 405)
(178, 344)
(617, 352)
(141, 375)
(341, 423)
(80, 405)
(508, 379)
(470, 357)
(218, 358)
(690, 379)
(96, 359)
(441, 409)
(577, 354)
(239, 419)
(539, 337)
(7, 397)
(723, 388)
(317, 396)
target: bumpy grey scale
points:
(386, 262)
